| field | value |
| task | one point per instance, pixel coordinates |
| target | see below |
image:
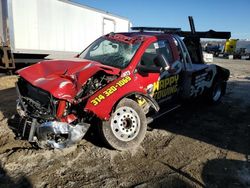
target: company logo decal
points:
(165, 87)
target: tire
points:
(216, 92)
(126, 127)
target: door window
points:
(159, 47)
(164, 48)
(149, 56)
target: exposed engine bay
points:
(53, 122)
(93, 84)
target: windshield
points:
(111, 52)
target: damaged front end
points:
(49, 122)
(52, 105)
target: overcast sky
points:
(220, 15)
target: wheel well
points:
(140, 96)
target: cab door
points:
(164, 85)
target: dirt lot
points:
(198, 146)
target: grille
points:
(36, 94)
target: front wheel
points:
(126, 127)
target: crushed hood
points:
(63, 78)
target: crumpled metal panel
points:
(63, 78)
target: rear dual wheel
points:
(126, 127)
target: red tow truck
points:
(120, 83)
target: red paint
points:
(61, 108)
(69, 118)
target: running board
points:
(151, 119)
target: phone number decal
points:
(111, 90)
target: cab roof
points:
(132, 37)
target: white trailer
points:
(30, 30)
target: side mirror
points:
(161, 61)
(176, 67)
(146, 69)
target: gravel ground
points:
(197, 146)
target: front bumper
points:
(54, 134)
(50, 133)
